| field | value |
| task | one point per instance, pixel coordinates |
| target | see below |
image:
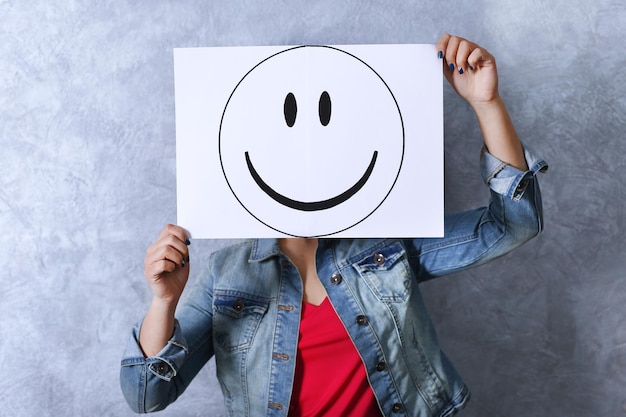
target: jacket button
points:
(381, 366)
(238, 305)
(361, 320)
(163, 368)
(379, 259)
(336, 278)
(396, 408)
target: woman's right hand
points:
(166, 265)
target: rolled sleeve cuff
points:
(507, 180)
(166, 363)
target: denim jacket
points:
(244, 309)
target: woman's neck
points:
(301, 251)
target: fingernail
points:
(461, 71)
(471, 68)
(187, 259)
(187, 242)
(451, 67)
(182, 264)
(440, 54)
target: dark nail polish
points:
(440, 54)
(471, 68)
(461, 71)
(182, 264)
(451, 67)
(187, 242)
(187, 259)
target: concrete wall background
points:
(87, 180)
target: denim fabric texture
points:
(244, 309)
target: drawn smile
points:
(311, 205)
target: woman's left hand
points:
(470, 69)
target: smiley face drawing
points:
(311, 141)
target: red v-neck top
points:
(330, 378)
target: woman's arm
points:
(472, 72)
(167, 275)
(164, 355)
(514, 214)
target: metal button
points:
(275, 405)
(163, 368)
(396, 408)
(379, 259)
(361, 320)
(381, 366)
(336, 278)
(280, 356)
(238, 305)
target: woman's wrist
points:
(157, 327)
(499, 134)
(164, 307)
(493, 106)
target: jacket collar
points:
(263, 249)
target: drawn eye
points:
(290, 109)
(324, 108)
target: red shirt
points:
(330, 378)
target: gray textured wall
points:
(87, 180)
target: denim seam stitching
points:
(495, 171)
(461, 240)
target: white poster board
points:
(336, 141)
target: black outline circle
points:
(219, 142)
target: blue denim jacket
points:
(244, 309)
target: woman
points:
(333, 327)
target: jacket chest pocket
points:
(236, 318)
(387, 272)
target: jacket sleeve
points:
(471, 238)
(151, 384)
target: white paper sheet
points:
(336, 141)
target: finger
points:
(451, 51)
(442, 45)
(173, 236)
(169, 240)
(177, 231)
(168, 252)
(480, 57)
(155, 269)
(463, 52)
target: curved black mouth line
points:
(312, 205)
